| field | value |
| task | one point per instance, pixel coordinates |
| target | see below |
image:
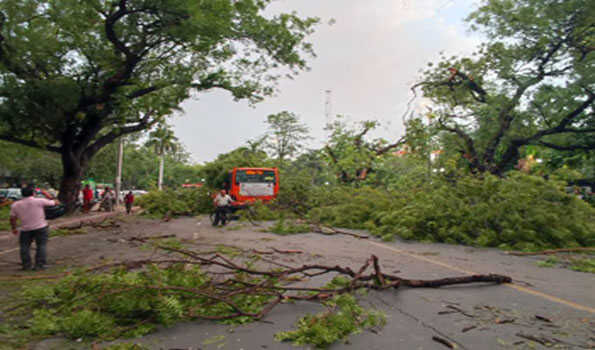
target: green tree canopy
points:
(76, 75)
(531, 83)
(286, 135)
(351, 155)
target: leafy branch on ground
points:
(576, 263)
(343, 317)
(131, 298)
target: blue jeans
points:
(41, 239)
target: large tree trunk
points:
(160, 180)
(70, 185)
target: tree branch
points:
(31, 144)
(382, 150)
(143, 124)
(568, 119)
(586, 147)
(469, 144)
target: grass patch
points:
(549, 262)
(570, 262)
(583, 265)
(126, 346)
(284, 227)
(229, 251)
(60, 232)
(5, 218)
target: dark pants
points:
(220, 215)
(128, 208)
(41, 239)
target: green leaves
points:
(77, 75)
(286, 135)
(520, 212)
(120, 302)
(343, 318)
(533, 70)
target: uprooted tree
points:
(130, 298)
(76, 75)
(530, 84)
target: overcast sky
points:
(368, 58)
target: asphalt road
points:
(478, 316)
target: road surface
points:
(469, 316)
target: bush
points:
(4, 216)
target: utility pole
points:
(119, 170)
(328, 106)
(161, 161)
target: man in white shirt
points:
(30, 211)
(222, 202)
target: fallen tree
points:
(131, 298)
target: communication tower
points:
(328, 106)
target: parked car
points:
(11, 193)
(54, 211)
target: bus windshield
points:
(247, 176)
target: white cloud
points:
(369, 59)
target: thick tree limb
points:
(143, 124)
(567, 147)
(264, 281)
(28, 143)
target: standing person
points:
(87, 198)
(33, 226)
(222, 202)
(108, 199)
(129, 200)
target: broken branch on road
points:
(277, 285)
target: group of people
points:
(34, 227)
(108, 199)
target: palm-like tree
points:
(163, 141)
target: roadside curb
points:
(90, 219)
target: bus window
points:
(247, 176)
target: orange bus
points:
(247, 185)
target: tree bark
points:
(70, 185)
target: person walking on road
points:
(129, 200)
(222, 202)
(29, 211)
(87, 198)
(108, 200)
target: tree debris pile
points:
(519, 212)
(177, 202)
(131, 298)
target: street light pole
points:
(119, 170)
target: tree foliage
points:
(215, 172)
(520, 212)
(531, 83)
(286, 135)
(350, 154)
(77, 75)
